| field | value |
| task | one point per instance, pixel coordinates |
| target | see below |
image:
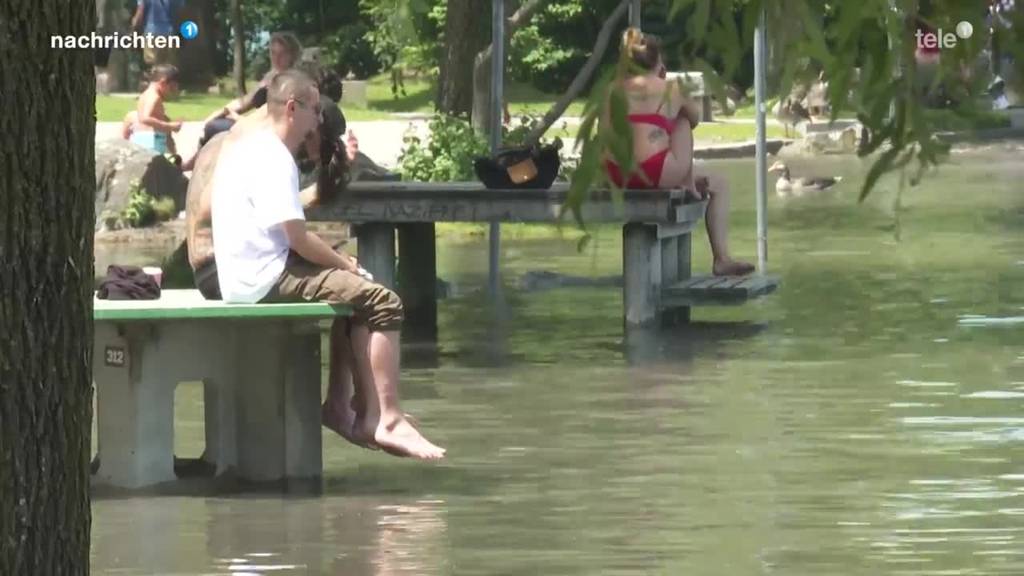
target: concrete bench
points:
(260, 367)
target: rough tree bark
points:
(197, 58)
(238, 35)
(463, 38)
(47, 184)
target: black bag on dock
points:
(527, 167)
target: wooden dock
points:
(656, 227)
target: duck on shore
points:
(790, 112)
(787, 184)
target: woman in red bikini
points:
(662, 119)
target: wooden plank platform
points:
(723, 290)
(190, 304)
(395, 202)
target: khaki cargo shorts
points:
(302, 281)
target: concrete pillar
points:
(377, 251)
(135, 410)
(417, 279)
(278, 403)
(641, 271)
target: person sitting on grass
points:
(662, 121)
(265, 253)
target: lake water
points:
(868, 418)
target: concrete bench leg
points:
(377, 251)
(641, 272)
(278, 403)
(675, 267)
(417, 279)
(135, 410)
(136, 369)
(219, 390)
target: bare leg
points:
(339, 412)
(677, 171)
(680, 172)
(717, 221)
(190, 164)
(390, 428)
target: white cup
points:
(155, 272)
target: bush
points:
(348, 51)
(143, 209)
(453, 144)
(447, 156)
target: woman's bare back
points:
(646, 95)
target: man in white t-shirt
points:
(264, 253)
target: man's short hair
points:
(288, 85)
(167, 72)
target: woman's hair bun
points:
(632, 40)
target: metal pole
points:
(497, 93)
(760, 71)
(634, 14)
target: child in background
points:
(153, 128)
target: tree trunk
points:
(47, 196)
(482, 64)
(462, 33)
(238, 34)
(198, 58)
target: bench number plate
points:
(114, 356)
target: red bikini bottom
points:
(651, 167)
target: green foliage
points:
(552, 47)
(403, 35)
(453, 144)
(447, 156)
(143, 209)
(349, 51)
(865, 49)
(337, 26)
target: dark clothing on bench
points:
(205, 278)
(128, 283)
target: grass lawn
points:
(185, 106)
(710, 132)
(418, 97)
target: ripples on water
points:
(867, 419)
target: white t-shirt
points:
(255, 190)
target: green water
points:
(848, 424)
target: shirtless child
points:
(153, 128)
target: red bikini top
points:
(665, 123)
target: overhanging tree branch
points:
(582, 77)
(520, 18)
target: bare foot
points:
(402, 439)
(732, 268)
(344, 425)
